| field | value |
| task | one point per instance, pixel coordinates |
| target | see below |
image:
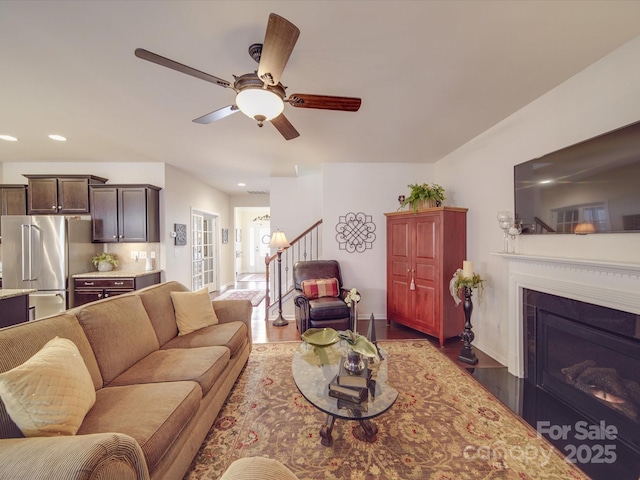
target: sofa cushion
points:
(193, 311)
(153, 414)
(157, 302)
(203, 365)
(232, 335)
(120, 333)
(50, 393)
(321, 287)
(327, 308)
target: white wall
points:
(125, 172)
(372, 189)
(599, 99)
(183, 193)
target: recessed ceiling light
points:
(542, 182)
(8, 138)
(242, 184)
(58, 138)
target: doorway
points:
(205, 253)
(253, 234)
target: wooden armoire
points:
(424, 249)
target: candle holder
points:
(467, 354)
(505, 220)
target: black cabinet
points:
(125, 213)
(13, 200)
(67, 194)
(90, 289)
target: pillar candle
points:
(467, 269)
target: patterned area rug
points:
(255, 296)
(444, 426)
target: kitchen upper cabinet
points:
(67, 194)
(424, 250)
(13, 200)
(125, 213)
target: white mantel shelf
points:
(625, 268)
(609, 284)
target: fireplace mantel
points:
(609, 284)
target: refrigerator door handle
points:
(35, 242)
(25, 231)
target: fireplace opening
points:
(588, 357)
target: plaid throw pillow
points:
(322, 287)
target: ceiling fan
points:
(260, 95)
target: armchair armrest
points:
(301, 302)
(99, 455)
(234, 311)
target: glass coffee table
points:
(315, 366)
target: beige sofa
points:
(157, 393)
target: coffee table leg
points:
(369, 429)
(326, 429)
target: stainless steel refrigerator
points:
(42, 252)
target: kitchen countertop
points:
(14, 292)
(116, 274)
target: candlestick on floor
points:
(467, 354)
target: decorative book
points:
(350, 394)
(350, 379)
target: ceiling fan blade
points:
(279, 40)
(284, 127)
(165, 62)
(217, 114)
(325, 102)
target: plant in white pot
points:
(424, 196)
(104, 262)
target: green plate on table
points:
(320, 337)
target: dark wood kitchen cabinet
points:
(13, 200)
(90, 289)
(68, 194)
(125, 213)
(424, 250)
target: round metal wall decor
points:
(355, 232)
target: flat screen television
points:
(589, 187)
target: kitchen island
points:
(92, 286)
(14, 306)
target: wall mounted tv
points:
(589, 187)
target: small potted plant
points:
(104, 262)
(424, 196)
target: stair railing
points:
(305, 246)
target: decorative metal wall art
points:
(181, 233)
(355, 232)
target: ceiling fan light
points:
(258, 102)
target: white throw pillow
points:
(50, 393)
(193, 311)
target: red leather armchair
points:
(321, 312)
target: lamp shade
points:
(278, 240)
(258, 102)
(585, 228)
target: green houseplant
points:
(424, 196)
(104, 262)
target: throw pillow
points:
(50, 393)
(322, 287)
(193, 311)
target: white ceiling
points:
(431, 74)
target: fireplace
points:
(574, 339)
(587, 356)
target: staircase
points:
(305, 246)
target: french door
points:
(204, 251)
